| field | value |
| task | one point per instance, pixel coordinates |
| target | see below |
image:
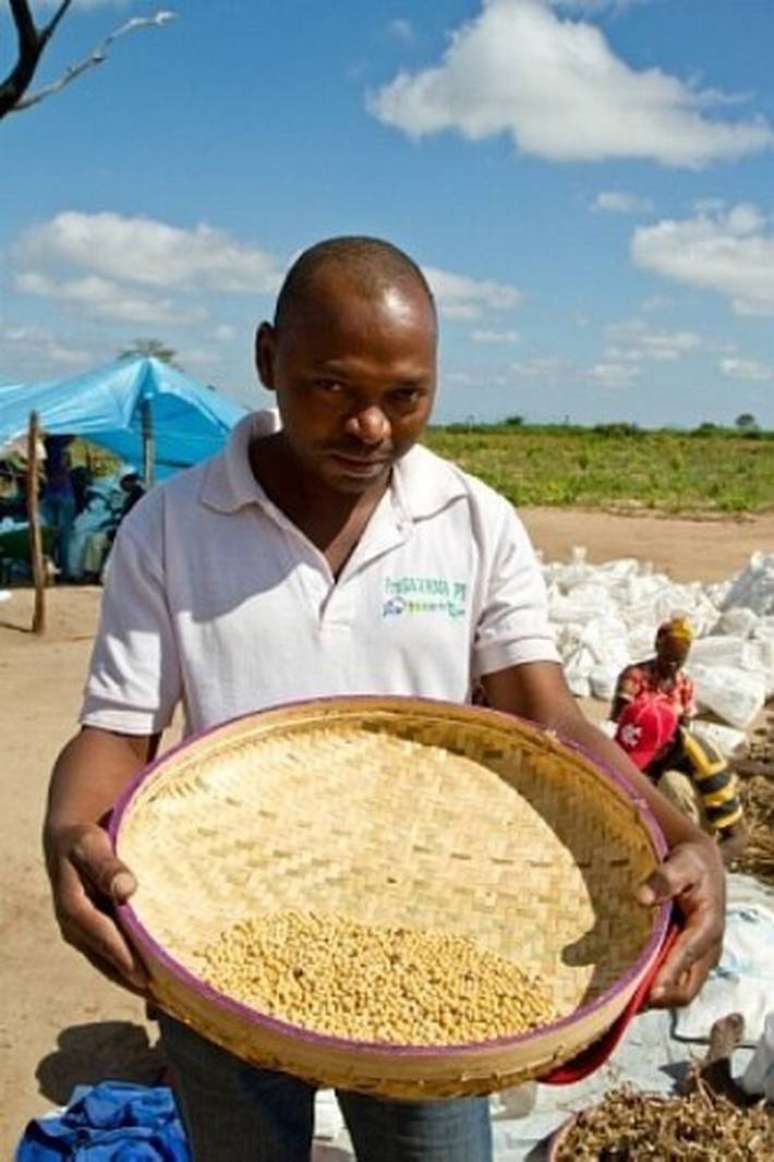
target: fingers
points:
(107, 969)
(675, 986)
(681, 871)
(85, 925)
(99, 939)
(691, 877)
(91, 932)
(94, 857)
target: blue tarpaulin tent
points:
(116, 405)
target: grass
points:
(618, 466)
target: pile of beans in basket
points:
(331, 975)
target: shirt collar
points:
(229, 483)
(422, 483)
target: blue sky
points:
(588, 183)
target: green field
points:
(618, 466)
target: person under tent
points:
(95, 527)
(58, 499)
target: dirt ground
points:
(61, 1024)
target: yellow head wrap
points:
(676, 629)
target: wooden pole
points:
(33, 516)
(148, 446)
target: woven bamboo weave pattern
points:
(393, 812)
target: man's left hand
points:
(692, 877)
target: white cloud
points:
(619, 202)
(655, 303)
(709, 205)
(543, 367)
(669, 344)
(559, 90)
(748, 369)
(35, 350)
(460, 297)
(103, 298)
(484, 336)
(149, 252)
(634, 342)
(610, 374)
(598, 5)
(729, 252)
(402, 29)
(224, 333)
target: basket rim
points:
(142, 937)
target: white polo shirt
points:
(215, 598)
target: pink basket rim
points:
(142, 937)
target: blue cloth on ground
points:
(110, 1122)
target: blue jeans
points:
(235, 1113)
(59, 514)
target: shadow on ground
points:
(103, 1051)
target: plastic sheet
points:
(758, 1078)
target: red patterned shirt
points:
(644, 680)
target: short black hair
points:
(374, 263)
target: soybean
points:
(332, 975)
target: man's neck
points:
(321, 513)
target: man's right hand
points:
(88, 881)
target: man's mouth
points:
(361, 465)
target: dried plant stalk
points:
(757, 859)
(629, 1126)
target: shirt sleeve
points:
(134, 680)
(513, 626)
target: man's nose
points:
(370, 425)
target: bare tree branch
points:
(48, 31)
(32, 42)
(30, 49)
(25, 25)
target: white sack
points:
(727, 739)
(734, 695)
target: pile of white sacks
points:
(606, 616)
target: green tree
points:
(150, 349)
(746, 422)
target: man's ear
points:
(265, 351)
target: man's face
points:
(355, 378)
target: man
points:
(95, 528)
(662, 676)
(58, 507)
(272, 573)
(133, 489)
(691, 773)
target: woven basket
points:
(525, 846)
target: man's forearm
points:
(90, 774)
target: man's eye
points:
(329, 386)
(406, 395)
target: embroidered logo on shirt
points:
(414, 595)
(630, 735)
